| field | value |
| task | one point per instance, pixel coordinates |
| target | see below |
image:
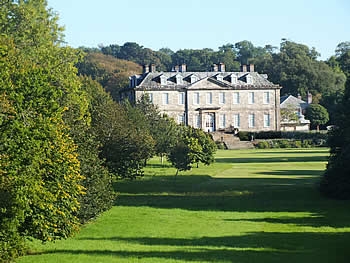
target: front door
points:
(209, 122)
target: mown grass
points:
(250, 206)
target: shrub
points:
(244, 135)
(263, 145)
(268, 135)
(220, 145)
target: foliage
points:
(124, 144)
(193, 146)
(43, 123)
(112, 73)
(336, 180)
(317, 114)
(179, 157)
(99, 194)
(289, 114)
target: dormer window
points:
(193, 79)
(162, 80)
(220, 77)
(249, 79)
(179, 80)
(233, 78)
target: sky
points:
(195, 24)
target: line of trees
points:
(63, 139)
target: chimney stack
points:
(153, 68)
(182, 67)
(214, 68)
(221, 67)
(145, 69)
(243, 68)
(250, 68)
(309, 98)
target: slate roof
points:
(291, 101)
(152, 80)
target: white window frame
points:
(181, 98)
(267, 120)
(222, 98)
(196, 121)
(222, 121)
(181, 119)
(251, 120)
(196, 98)
(251, 99)
(165, 98)
(236, 120)
(150, 97)
(266, 99)
(236, 98)
(209, 96)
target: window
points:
(251, 121)
(209, 98)
(196, 121)
(222, 121)
(236, 120)
(181, 98)
(181, 119)
(165, 98)
(163, 80)
(196, 98)
(267, 121)
(222, 98)
(236, 98)
(150, 97)
(266, 97)
(251, 97)
(179, 80)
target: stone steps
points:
(232, 142)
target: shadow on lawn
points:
(253, 247)
(204, 193)
(272, 159)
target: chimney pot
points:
(250, 68)
(145, 69)
(221, 67)
(243, 68)
(182, 68)
(309, 98)
(153, 68)
(214, 68)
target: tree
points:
(317, 114)
(40, 179)
(179, 157)
(336, 180)
(193, 146)
(289, 114)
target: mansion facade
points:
(212, 101)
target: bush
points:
(263, 145)
(245, 136)
(220, 145)
(268, 135)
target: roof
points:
(291, 101)
(184, 80)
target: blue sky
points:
(196, 24)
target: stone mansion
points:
(214, 100)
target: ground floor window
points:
(251, 120)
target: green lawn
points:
(250, 206)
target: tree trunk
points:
(177, 172)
